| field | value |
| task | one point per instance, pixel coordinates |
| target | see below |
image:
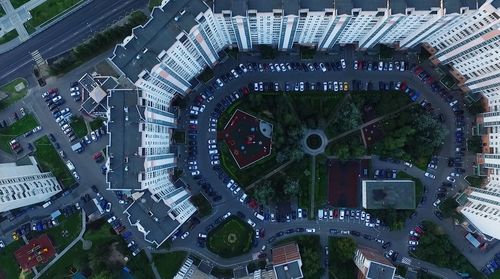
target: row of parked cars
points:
(348, 214)
(127, 235)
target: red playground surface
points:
(344, 182)
(248, 138)
(37, 251)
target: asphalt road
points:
(399, 238)
(64, 35)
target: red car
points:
(419, 230)
(245, 91)
(15, 146)
(53, 90)
(97, 156)
(403, 86)
(418, 70)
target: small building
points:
(95, 93)
(287, 262)
(394, 194)
(373, 265)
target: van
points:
(320, 214)
(260, 217)
(47, 204)
(243, 197)
(380, 66)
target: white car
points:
(37, 128)
(213, 151)
(186, 234)
(257, 232)
(194, 122)
(75, 174)
(299, 212)
(432, 166)
(414, 233)
(311, 230)
(430, 175)
(230, 183)
(193, 173)
(335, 86)
(215, 162)
(226, 215)
(342, 61)
(451, 179)
(2, 244)
(212, 141)
(301, 86)
(453, 103)
(212, 130)
(436, 203)
(235, 74)
(93, 136)
(322, 66)
(455, 174)
(413, 243)
(212, 146)
(110, 220)
(251, 223)
(408, 164)
(363, 215)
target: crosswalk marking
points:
(38, 58)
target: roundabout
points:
(314, 142)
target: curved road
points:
(230, 203)
(65, 34)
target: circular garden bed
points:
(314, 141)
(231, 238)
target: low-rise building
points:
(395, 194)
(287, 262)
(23, 184)
(372, 265)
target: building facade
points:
(372, 265)
(24, 185)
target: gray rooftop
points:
(157, 231)
(292, 272)
(158, 34)
(396, 194)
(453, 6)
(316, 5)
(379, 271)
(126, 139)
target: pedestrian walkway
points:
(269, 174)
(15, 18)
(313, 185)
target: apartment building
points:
(140, 162)
(481, 207)
(23, 184)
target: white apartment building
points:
(373, 265)
(482, 208)
(23, 185)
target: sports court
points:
(344, 182)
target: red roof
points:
(38, 250)
(286, 253)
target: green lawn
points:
(16, 129)
(78, 125)
(475, 181)
(154, 3)
(203, 205)
(321, 183)
(96, 260)
(2, 12)
(13, 95)
(436, 247)
(49, 160)
(49, 10)
(96, 123)
(71, 227)
(18, 3)
(8, 266)
(301, 170)
(169, 263)
(231, 238)
(9, 36)
(495, 275)
(340, 263)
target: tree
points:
(345, 248)
(281, 157)
(264, 192)
(291, 187)
(449, 208)
(312, 262)
(296, 154)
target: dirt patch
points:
(115, 255)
